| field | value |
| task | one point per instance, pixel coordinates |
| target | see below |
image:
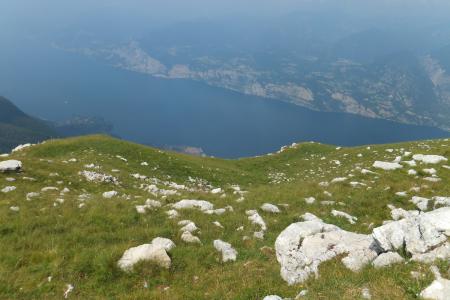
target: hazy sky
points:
(159, 10)
(33, 17)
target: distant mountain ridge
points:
(16, 127)
(397, 74)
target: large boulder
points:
(10, 166)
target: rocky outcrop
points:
(303, 246)
(416, 234)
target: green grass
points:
(82, 246)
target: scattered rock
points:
(21, 147)
(388, 166)
(429, 159)
(149, 205)
(302, 293)
(172, 214)
(188, 237)
(272, 297)
(350, 219)
(32, 195)
(10, 166)
(217, 224)
(412, 172)
(257, 220)
(8, 189)
(310, 200)
(365, 294)
(193, 204)
(49, 189)
(110, 194)
(339, 179)
(267, 207)
(69, 289)
(228, 252)
(98, 177)
(15, 208)
(156, 252)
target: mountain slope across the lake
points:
(17, 128)
(99, 218)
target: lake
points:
(56, 85)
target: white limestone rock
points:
(193, 204)
(257, 220)
(149, 205)
(439, 289)
(164, 243)
(155, 251)
(172, 214)
(98, 177)
(400, 213)
(442, 252)
(8, 189)
(10, 166)
(420, 202)
(189, 227)
(188, 237)
(272, 297)
(418, 234)
(228, 252)
(339, 179)
(110, 194)
(310, 200)
(267, 207)
(351, 219)
(412, 172)
(32, 195)
(387, 259)
(365, 294)
(21, 147)
(441, 201)
(429, 159)
(387, 166)
(303, 246)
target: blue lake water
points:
(56, 85)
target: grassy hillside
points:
(17, 128)
(81, 245)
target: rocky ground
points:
(95, 217)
